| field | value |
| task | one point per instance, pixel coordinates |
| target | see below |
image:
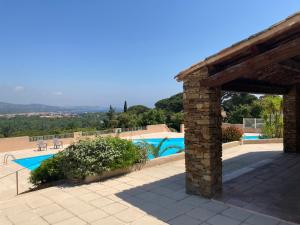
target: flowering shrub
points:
(231, 134)
(89, 157)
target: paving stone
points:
(236, 213)
(5, 221)
(47, 209)
(261, 220)
(183, 219)
(114, 208)
(81, 208)
(58, 216)
(194, 200)
(223, 220)
(129, 215)
(201, 214)
(37, 201)
(101, 202)
(108, 221)
(93, 215)
(89, 196)
(22, 217)
(33, 221)
(214, 206)
(146, 220)
(72, 221)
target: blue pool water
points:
(248, 137)
(170, 142)
(32, 163)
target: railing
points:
(85, 133)
(6, 156)
(16, 174)
(111, 131)
(50, 137)
(253, 123)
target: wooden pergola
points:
(267, 62)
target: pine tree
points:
(125, 106)
(111, 113)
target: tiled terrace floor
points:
(151, 196)
(271, 189)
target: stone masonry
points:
(291, 112)
(203, 138)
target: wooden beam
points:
(255, 87)
(291, 65)
(245, 68)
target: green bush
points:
(231, 134)
(89, 157)
(49, 170)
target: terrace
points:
(153, 195)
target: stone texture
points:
(203, 138)
(291, 116)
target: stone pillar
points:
(203, 136)
(182, 128)
(291, 120)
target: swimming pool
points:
(250, 137)
(32, 163)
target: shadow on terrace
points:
(269, 188)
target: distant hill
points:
(10, 108)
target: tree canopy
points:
(172, 104)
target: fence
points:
(110, 131)
(50, 137)
(255, 123)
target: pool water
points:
(170, 142)
(32, 163)
(250, 137)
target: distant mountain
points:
(9, 108)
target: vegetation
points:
(125, 107)
(231, 134)
(172, 104)
(89, 157)
(167, 111)
(240, 105)
(273, 116)
(35, 125)
(158, 150)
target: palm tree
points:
(158, 151)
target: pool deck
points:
(153, 195)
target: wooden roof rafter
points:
(277, 46)
(247, 67)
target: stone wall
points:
(203, 141)
(291, 117)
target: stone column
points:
(291, 120)
(203, 138)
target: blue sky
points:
(101, 52)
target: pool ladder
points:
(6, 156)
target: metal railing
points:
(253, 123)
(17, 172)
(6, 156)
(111, 131)
(50, 137)
(85, 133)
